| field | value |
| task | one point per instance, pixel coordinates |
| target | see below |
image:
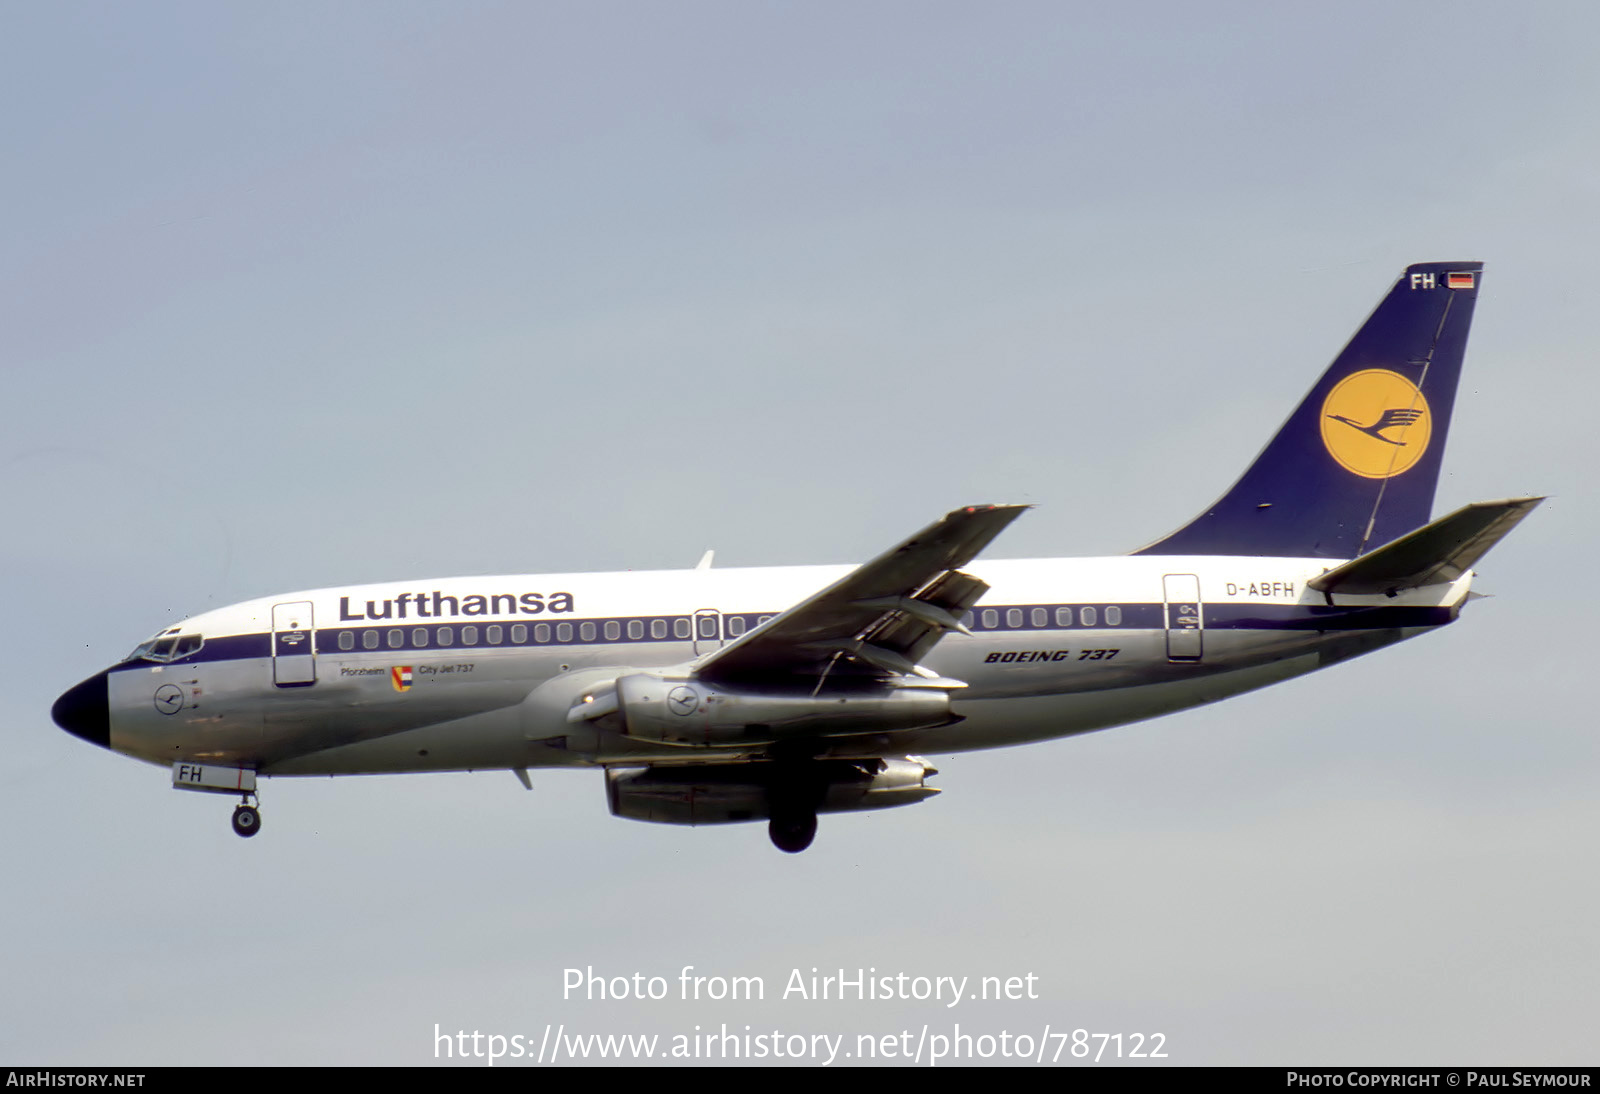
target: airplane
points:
(711, 696)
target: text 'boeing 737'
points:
(714, 696)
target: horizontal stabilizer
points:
(1434, 554)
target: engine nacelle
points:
(731, 793)
(682, 710)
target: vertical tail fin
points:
(1356, 464)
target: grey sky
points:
(304, 294)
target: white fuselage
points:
(479, 672)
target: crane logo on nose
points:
(169, 698)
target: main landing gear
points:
(796, 789)
(246, 818)
(792, 830)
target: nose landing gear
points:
(214, 779)
(246, 819)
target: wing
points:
(880, 619)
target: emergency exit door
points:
(707, 631)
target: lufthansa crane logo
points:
(169, 698)
(683, 700)
(1376, 423)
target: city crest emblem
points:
(400, 677)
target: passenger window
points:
(563, 632)
(419, 637)
(680, 627)
(1113, 616)
(1063, 617)
(469, 636)
(519, 634)
(635, 628)
(763, 620)
(736, 625)
(708, 626)
(613, 630)
(369, 640)
(1040, 617)
(991, 618)
(541, 633)
(1086, 616)
(658, 628)
(586, 631)
(397, 638)
(493, 634)
(1013, 617)
(347, 640)
(447, 636)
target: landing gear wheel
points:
(246, 820)
(792, 832)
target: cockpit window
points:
(165, 647)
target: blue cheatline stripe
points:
(1317, 617)
(1005, 619)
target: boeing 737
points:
(712, 696)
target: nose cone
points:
(84, 711)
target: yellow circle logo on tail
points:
(1376, 423)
